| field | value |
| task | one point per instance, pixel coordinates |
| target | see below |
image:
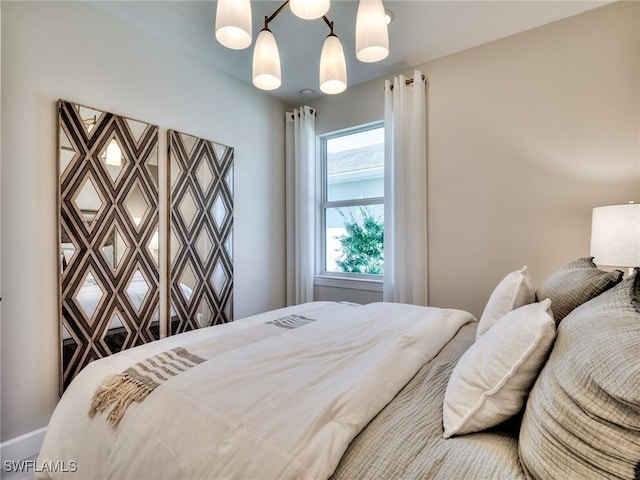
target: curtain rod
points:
(314, 112)
(409, 81)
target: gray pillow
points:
(582, 418)
(574, 284)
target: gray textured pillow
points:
(582, 418)
(574, 284)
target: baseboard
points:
(22, 447)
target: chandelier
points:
(234, 30)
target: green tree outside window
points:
(362, 244)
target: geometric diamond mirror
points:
(108, 218)
(201, 232)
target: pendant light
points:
(333, 67)
(266, 61)
(309, 9)
(372, 36)
(233, 23)
(233, 30)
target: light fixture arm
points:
(274, 14)
(329, 23)
(269, 19)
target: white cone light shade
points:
(372, 36)
(233, 23)
(114, 154)
(615, 235)
(333, 67)
(266, 62)
(309, 9)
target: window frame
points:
(359, 281)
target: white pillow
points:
(492, 379)
(514, 291)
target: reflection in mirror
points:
(229, 180)
(154, 246)
(67, 249)
(188, 142)
(174, 247)
(204, 175)
(205, 313)
(88, 201)
(116, 336)
(114, 248)
(175, 172)
(89, 116)
(114, 159)
(204, 245)
(152, 167)
(219, 278)
(108, 248)
(136, 205)
(66, 152)
(89, 296)
(228, 245)
(116, 322)
(188, 283)
(120, 247)
(137, 289)
(219, 211)
(188, 208)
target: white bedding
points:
(283, 407)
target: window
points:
(352, 202)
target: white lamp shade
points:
(309, 9)
(233, 23)
(615, 235)
(372, 36)
(333, 67)
(114, 154)
(266, 62)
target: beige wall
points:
(74, 51)
(526, 134)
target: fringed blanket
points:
(137, 382)
(278, 396)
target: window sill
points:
(369, 284)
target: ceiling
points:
(422, 31)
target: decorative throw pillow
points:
(513, 291)
(492, 379)
(582, 419)
(576, 283)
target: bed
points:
(345, 391)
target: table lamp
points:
(615, 235)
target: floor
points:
(22, 471)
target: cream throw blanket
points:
(285, 406)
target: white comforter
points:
(284, 407)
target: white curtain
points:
(405, 210)
(300, 204)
